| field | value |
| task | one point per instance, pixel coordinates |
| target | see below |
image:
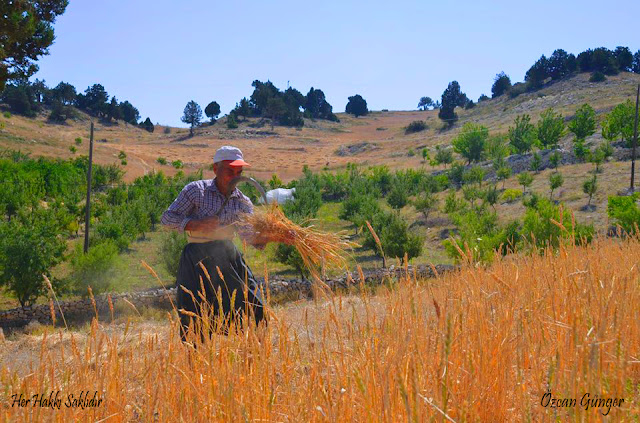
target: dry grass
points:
(478, 345)
(318, 249)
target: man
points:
(203, 211)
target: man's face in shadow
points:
(225, 174)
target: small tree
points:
(589, 187)
(425, 103)
(232, 123)
(536, 162)
(525, 179)
(550, 128)
(397, 197)
(192, 115)
(522, 136)
(425, 155)
(619, 123)
(275, 182)
(471, 141)
(452, 97)
(503, 174)
(501, 84)
(497, 149)
(584, 122)
(27, 252)
(555, 181)
(443, 156)
(357, 106)
(212, 111)
(580, 149)
(597, 158)
(554, 159)
(425, 203)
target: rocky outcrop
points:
(160, 298)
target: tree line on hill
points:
(28, 98)
(286, 108)
(599, 61)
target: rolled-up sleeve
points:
(176, 216)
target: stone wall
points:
(160, 298)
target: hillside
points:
(378, 138)
(319, 144)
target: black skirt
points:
(237, 283)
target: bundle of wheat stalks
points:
(318, 249)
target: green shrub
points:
(525, 179)
(456, 174)
(78, 141)
(411, 153)
(161, 160)
(416, 126)
(275, 182)
(523, 135)
(177, 164)
(480, 235)
(97, 268)
(517, 89)
(580, 149)
(170, 250)
(624, 211)
(358, 208)
(123, 162)
(443, 156)
(539, 231)
(503, 173)
(73, 149)
(453, 204)
(510, 195)
(26, 253)
(470, 143)
(536, 162)
(597, 77)
(398, 197)
(425, 203)
(122, 155)
(287, 254)
(7, 115)
(394, 236)
(555, 181)
(231, 122)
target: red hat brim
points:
(238, 163)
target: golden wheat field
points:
(495, 344)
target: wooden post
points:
(88, 204)
(635, 141)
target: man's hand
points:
(259, 241)
(206, 224)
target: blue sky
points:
(161, 54)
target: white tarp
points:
(281, 195)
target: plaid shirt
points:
(202, 198)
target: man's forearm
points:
(204, 224)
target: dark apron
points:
(224, 255)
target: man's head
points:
(228, 163)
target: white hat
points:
(233, 154)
